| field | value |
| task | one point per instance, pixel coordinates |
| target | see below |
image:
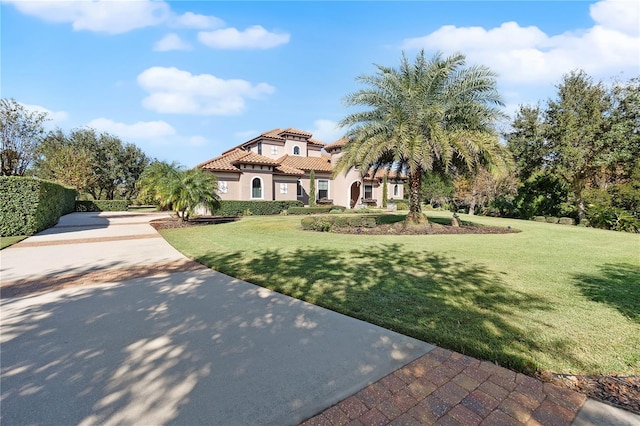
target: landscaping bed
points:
(174, 222)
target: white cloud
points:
(196, 21)
(326, 131)
(255, 37)
(528, 55)
(111, 17)
(618, 15)
(54, 116)
(171, 42)
(139, 130)
(175, 91)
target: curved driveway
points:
(129, 331)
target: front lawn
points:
(553, 297)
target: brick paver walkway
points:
(448, 388)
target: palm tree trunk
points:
(415, 203)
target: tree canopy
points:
(429, 115)
(98, 163)
(21, 132)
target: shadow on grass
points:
(617, 285)
(459, 306)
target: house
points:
(276, 165)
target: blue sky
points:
(187, 80)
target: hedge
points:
(29, 205)
(326, 223)
(240, 208)
(102, 205)
(313, 210)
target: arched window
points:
(256, 188)
(396, 190)
(296, 150)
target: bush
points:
(552, 219)
(314, 210)
(102, 205)
(540, 219)
(260, 208)
(401, 205)
(566, 221)
(29, 205)
(613, 218)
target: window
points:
(368, 192)
(283, 188)
(296, 150)
(259, 148)
(323, 189)
(256, 188)
(274, 150)
(300, 189)
(396, 191)
(223, 187)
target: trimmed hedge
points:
(102, 205)
(314, 210)
(240, 208)
(29, 205)
(326, 223)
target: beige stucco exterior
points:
(276, 165)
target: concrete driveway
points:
(129, 331)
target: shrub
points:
(102, 205)
(307, 223)
(566, 221)
(540, 219)
(335, 211)
(613, 218)
(341, 221)
(29, 205)
(239, 208)
(314, 210)
(552, 219)
(369, 222)
(401, 205)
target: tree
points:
(479, 190)
(577, 133)
(312, 188)
(527, 141)
(180, 190)
(384, 191)
(114, 166)
(432, 115)
(20, 132)
(438, 190)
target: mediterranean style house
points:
(276, 165)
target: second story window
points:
(259, 148)
(296, 150)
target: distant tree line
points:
(575, 155)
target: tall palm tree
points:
(177, 189)
(432, 115)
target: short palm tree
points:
(432, 115)
(177, 189)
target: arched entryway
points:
(354, 194)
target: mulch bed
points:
(619, 391)
(171, 223)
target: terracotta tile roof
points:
(392, 174)
(253, 158)
(288, 170)
(319, 164)
(297, 132)
(337, 144)
(227, 162)
(316, 142)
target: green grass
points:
(553, 297)
(8, 241)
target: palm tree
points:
(177, 189)
(433, 115)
